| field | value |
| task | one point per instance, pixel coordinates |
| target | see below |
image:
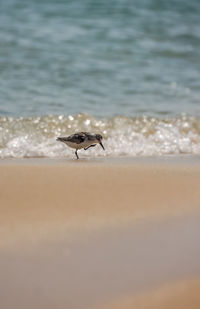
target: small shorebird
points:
(81, 140)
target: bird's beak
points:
(102, 145)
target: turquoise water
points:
(127, 69)
(103, 58)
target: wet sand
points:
(81, 234)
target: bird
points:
(81, 140)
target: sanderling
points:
(82, 140)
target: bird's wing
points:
(76, 138)
(89, 136)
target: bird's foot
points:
(89, 146)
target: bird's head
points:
(99, 138)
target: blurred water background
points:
(129, 69)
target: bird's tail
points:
(60, 139)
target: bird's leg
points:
(76, 154)
(89, 146)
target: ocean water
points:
(127, 69)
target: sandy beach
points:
(119, 228)
(179, 295)
(99, 234)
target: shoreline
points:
(184, 159)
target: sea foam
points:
(123, 136)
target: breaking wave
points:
(123, 136)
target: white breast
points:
(85, 144)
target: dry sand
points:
(178, 295)
(58, 218)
